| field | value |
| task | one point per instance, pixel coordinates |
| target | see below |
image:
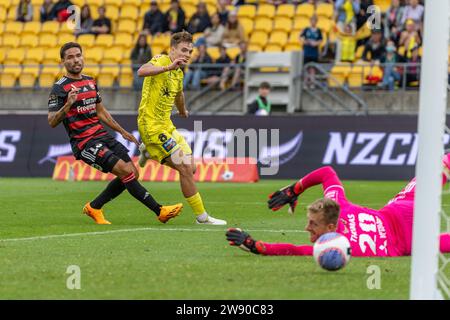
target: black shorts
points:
(103, 154)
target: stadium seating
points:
(267, 28)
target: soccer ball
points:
(332, 251)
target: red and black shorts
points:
(103, 154)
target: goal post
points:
(431, 123)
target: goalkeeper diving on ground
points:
(386, 232)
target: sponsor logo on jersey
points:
(169, 144)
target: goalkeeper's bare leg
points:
(185, 165)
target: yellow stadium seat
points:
(305, 9)
(273, 48)
(158, 49)
(104, 40)
(50, 27)
(213, 52)
(91, 70)
(161, 40)
(112, 12)
(93, 56)
(293, 47)
(279, 38)
(286, 10)
(12, 14)
(301, 23)
(126, 78)
(259, 38)
(113, 56)
(383, 4)
(48, 40)
(129, 12)
(254, 47)
(282, 24)
(131, 2)
(13, 70)
(37, 13)
(124, 40)
(3, 52)
(247, 24)
(359, 52)
(27, 78)
(338, 75)
(211, 8)
(375, 73)
(51, 56)
(48, 76)
(79, 3)
(32, 27)
(294, 38)
(15, 56)
(2, 27)
(8, 79)
(34, 56)
(266, 10)
(10, 41)
(324, 24)
(233, 52)
(108, 76)
(65, 29)
(86, 40)
(127, 26)
(356, 76)
(13, 27)
(189, 10)
(263, 24)
(65, 38)
(324, 10)
(115, 3)
(3, 14)
(29, 41)
(247, 11)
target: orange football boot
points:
(96, 214)
(169, 212)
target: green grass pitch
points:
(139, 258)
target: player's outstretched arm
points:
(107, 119)
(148, 69)
(237, 237)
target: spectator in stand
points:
(215, 73)
(153, 20)
(237, 68)
(393, 21)
(141, 54)
(413, 68)
(102, 25)
(413, 11)
(213, 35)
(311, 38)
(346, 45)
(363, 14)
(86, 21)
(409, 38)
(234, 32)
(60, 12)
(375, 47)
(390, 72)
(46, 11)
(261, 106)
(276, 2)
(196, 73)
(346, 11)
(222, 11)
(24, 12)
(174, 18)
(200, 20)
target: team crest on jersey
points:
(162, 137)
(169, 144)
(92, 85)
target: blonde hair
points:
(329, 208)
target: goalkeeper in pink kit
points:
(372, 233)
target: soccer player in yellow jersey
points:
(162, 88)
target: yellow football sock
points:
(196, 204)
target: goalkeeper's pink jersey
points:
(368, 231)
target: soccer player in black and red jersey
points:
(75, 101)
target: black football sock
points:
(140, 193)
(114, 188)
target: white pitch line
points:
(67, 235)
